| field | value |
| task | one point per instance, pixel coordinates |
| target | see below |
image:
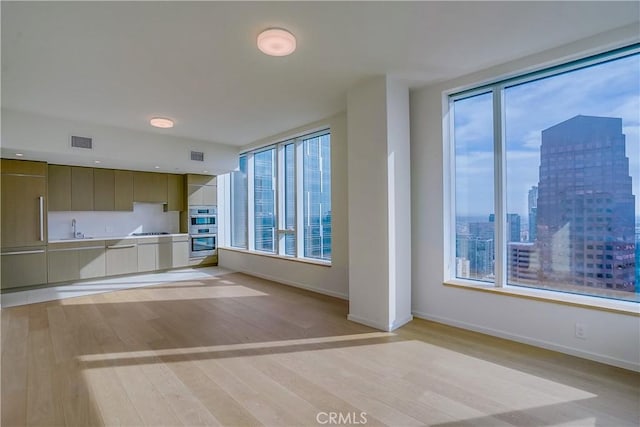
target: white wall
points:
(145, 217)
(612, 338)
(49, 139)
(331, 280)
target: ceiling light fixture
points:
(276, 42)
(161, 122)
(19, 154)
(97, 162)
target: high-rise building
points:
(585, 207)
(533, 210)
(523, 263)
(513, 226)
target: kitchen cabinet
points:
(180, 251)
(175, 192)
(147, 255)
(59, 184)
(163, 252)
(81, 188)
(121, 256)
(24, 207)
(123, 192)
(150, 187)
(76, 260)
(23, 267)
(202, 190)
(104, 190)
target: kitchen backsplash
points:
(146, 217)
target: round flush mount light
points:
(161, 122)
(276, 42)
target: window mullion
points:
(500, 187)
(251, 233)
(299, 197)
(280, 197)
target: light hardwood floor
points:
(237, 350)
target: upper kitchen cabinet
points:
(24, 207)
(150, 187)
(81, 189)
(59, 183)
(123, 190)
(104, 190)
(175, 193)
(202, 190)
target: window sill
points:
(268, 255)
(583, 301)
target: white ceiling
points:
(120, 63)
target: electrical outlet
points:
(581, 330)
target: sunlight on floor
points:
(436, 386)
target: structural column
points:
(379, 203)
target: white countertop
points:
(94, 238)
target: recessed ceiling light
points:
(97, 162)
(157, 167)
(205, 171)
(161, 122)
(276, 42)
(19, 154)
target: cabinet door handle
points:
(41, 251)
(41, 203)
(121, 246)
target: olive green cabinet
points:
(59, 183)
(175, 192)
(123, 190)
(150, 187)
(81, 189)
(76, 260)
(23, 267)
(104, 190)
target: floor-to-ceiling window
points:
(547, 179)
(281, 198)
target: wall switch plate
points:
(581, 330)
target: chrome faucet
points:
(73, 226)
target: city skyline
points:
(530, 108)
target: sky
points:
(610, 89)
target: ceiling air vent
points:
(198, 156)
(81, 142)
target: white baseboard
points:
(378, 325)
(294, 284)
(532, 341)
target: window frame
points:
(497, 87)
(280, 198)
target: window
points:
(289, 199)
(547, 169)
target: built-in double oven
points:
(203, 231)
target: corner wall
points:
(613, 338)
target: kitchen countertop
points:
(102, 238)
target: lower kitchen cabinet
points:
(23, 267)
(121, 256)
(147, 255)
(76, 260)
(163, 252)
(180, 251)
